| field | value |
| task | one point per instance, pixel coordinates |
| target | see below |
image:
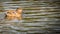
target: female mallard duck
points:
(11, 14)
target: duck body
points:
(11, 14)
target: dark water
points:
(42, 17)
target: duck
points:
(14, 14)
(10, 14)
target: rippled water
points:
(38, 17)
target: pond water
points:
(42, 17)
